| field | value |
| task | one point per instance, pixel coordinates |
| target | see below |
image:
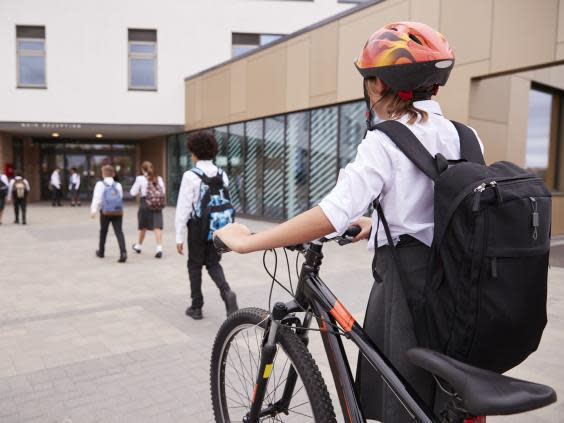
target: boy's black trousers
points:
(57, 195)
(116, 222)
(20, 203)
(202, 253)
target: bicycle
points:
(251, 382)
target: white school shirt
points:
(56, 179)
(5, 179)
(74, 180)
(99, 192)
(381, 169)
(11, 185)
(188, 195)
(141, 183)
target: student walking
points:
(74, 186)
(192, 215)
(4, 188)
(150, 187)
(108, 199)
(56, 187)
(403, 64)
(18, 193)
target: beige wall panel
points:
(518, 120)
(560, 51)
(193, 102)
(426, 11)
(323, 100)
(558, 215)
(372, 11)
(560, 37)
(489, 99)
(455, 95)
(153, 149)
(266, 82)
(215, 97)
(494, 137)
(323, 60)
(238, 95)
(467, 26)
(524, 33)
(353, 33)
(297, 74)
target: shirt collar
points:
(430, 106)
(204, 162)
(108, 180)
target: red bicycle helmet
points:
(407, 56)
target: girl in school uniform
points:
(148, 219)
(402, 64)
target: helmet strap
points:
(369, 108)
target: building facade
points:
(290, 115)
(86, 83)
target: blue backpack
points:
(112, 203)
(213, 210)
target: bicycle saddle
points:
(483, 393)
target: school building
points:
(85, 83)
(289, 115)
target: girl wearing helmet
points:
(403, 64)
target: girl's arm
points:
(312, 224)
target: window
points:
(323, 162)
(235, 166)
(30, 47)
(297, 159)
(254, 134)
(142, 53)
(243, 42)
(352, 127)
(543, 155)
(273, 174)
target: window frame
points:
(31, 53)
(136, 55)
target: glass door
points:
(80, 162)
(95, 163)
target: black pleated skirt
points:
(149, 219)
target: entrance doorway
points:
(88, 159)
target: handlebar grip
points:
(220, 245)
(352, 231)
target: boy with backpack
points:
(108, 199)
(4, 188)
(18, 192)
(461, 248)
(203, 207)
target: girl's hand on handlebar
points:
(235, 236)
(365, 224)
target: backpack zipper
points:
(534, 218)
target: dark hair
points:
(18, 172)
(74, 169)
(203, 145)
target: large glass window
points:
(222, 137)
(273, 200)
(538, 132)
(323, 162)
(254, 166)
(352, 126)
(297, 159)
(235, 166)
(142, 53)
(30, 42)
(244, 42)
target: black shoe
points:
(17, 222)
(24, 223)
(230, 302)
(159, 254)
(72, 204)
(135, 249)
(122, 258)
(194, 313)
(99, 254)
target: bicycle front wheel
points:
(234, 368)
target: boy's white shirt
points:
(141, 183)
(56, 179)
(4, 179)
(189, 194)
(74, 179)
(99, 192)
(11, 186)
(381, 169)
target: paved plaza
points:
(88, 340)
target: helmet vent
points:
(414, 38)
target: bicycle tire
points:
(293, 347)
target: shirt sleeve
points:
(27, 187)
(77, 181)
(10, 189)
(96, 197)
(360, 182)
(183, 207)
(161, 184)
(136, 188)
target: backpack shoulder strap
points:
(410, 145)
(469, 146)
(200, 173)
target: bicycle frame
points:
(316, 298)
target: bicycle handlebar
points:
(344, 239)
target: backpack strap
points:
(470, 150)
(200, 173)
(410, 145)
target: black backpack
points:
(484, 301)
(213, 210)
